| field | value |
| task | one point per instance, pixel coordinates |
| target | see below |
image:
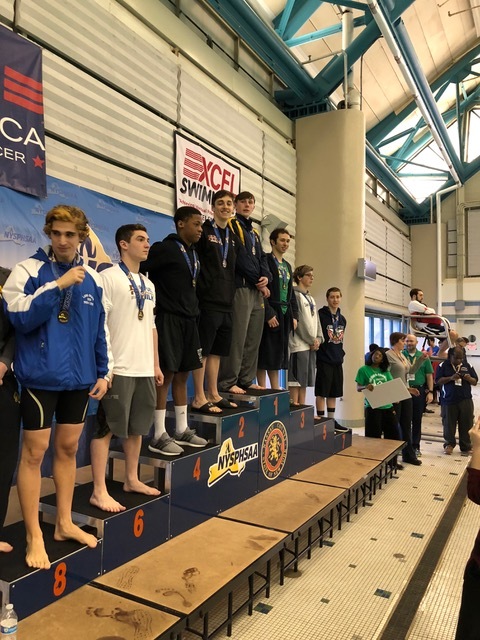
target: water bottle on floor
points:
(8, 623)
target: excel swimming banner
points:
(22, 136)
(199, 173)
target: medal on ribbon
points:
(224, 245)
(139, 294)
(63, 315)
(194, 269)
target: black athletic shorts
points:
(329, 380)
(178, 343)
(37, 407)
(215, 330)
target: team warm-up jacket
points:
(169, 271)
(251, 265)
(273, 304)
(49, 354)
(216, 284)
(331, 350)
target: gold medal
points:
(140, 314)
(63, 316)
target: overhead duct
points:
(352, 96)
(424, 109)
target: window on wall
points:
(378, 329)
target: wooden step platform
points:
(299, 508)
(380, 449)
(93, 613)
(359, 476)
(189, 574)
(373, 448)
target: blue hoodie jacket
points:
(48, 354)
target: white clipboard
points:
(387, 393)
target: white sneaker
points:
(189, 438)
(165, 445)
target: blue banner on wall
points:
(22, 218)
(22, 136)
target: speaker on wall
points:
(366, 270)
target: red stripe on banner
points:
(193, 154)
(23, 91)
(190, 174)
(193, 165)
(26, 104)
(19, 77)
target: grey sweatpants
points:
(240, 367)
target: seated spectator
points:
(432, 326)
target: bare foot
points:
(5, 547)
(256, 386)
(70, 531)
(140, 487)
(36, 556)
(236, 389)
(105, 502)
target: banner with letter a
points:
(22, 136)
(199, 173)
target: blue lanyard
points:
(336, 320)
(253, 237)
(224, 250)
(66, 300)
(310, 301)
(139, 295)
(194, 269)
(282, 272)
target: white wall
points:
(387, 244)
